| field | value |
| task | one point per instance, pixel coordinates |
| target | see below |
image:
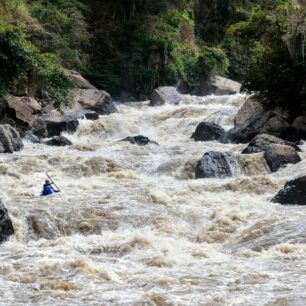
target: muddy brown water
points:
(133, 227)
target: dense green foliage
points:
(136, 45)
(21, 60)
(142, 44)
(274, 37)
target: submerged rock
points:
(261, 142)
(6, 226)
(29, 136)
(293, 193)
(279, 155)
(165, 94)
(59, 141)
(82, 114)
(10, 140)
(139, 140)
(206, 131)
(216, 165)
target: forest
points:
(132, 46)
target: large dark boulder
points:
(206, 131)
(6, 226)
(293, 193)
(246, 132)
(165, 94)
(252, 119)
(10, 140)
(59, 141)
(56, 125)
(216, 165)
(267, 123)
(277, 156)
(53, 124)
(298, 127)
(261, 142)
(139, 140)
(93, 99)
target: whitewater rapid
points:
(133, 227)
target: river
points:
(133, 227)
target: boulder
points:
(248, 112)
(293, 193)
(252, 119)
(29, 136)
(10, 140)
(165, 94)
(245, 133)
(53, 124)
(139, 140)
(275, 125)
(93, 99)
(216, 165)
(20, 109)
(206, 131)
(299, 126)
(278, 155)
(58, 141)
(79, 80)
(222, 86)
(261, 142)
(6, 226)
(83, 114)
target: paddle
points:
(52, 181)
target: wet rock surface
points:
(246, 132)
(250, 110)
(59, 141)
(252, 120)
(206, 131)
(6, 226)
(216, 165)
(293, 193)
(278, 155)
(165, 94)
(299, 127)
(223, 86)
(261, 142)
(10, 140)
(20, 109)
(93, 99)
(139, 140)
(53, 124)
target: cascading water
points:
(133, 227)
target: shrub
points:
(20, 59)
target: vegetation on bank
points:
(136, 45)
